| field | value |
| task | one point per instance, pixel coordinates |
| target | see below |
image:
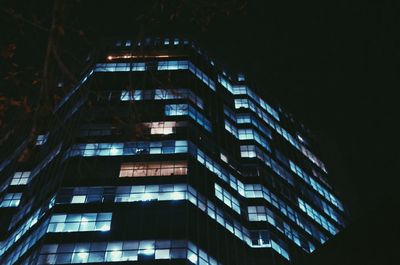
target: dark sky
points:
(333, 65)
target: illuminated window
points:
(131, 95)
(11, 200)
(142, 169)
(129, 148)
(20, 178)
(167, 127)
(120, 251)
(305, 207)
(78, 199)
(261, 213)
(186, 109)
(41, 139)
(227, 198)
(80, 222)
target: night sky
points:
(333, 65)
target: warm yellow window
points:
(142, 169)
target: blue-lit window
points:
(162, 65)
(41, 139)
(11, 200)
(176, 41)
(261, 213)
(256, 152)
(185, 109)
(241, 77)
(120, 251)
(127, 95)
(259, 191)
(20, 178)
(176, 109)
(227, 198)
(248, 151)
(166, 192)
(231, 128)
(166, 42)
(128, 43)
(173, 65)
(241, 103)
(315, 185)
(305, 207)
(80, 222)
(128, 148)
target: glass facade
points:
(157, 155)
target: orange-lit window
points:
(143, 169)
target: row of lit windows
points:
(186, 109)
(25, 245)
(264, 238)
(163, 147)
(18, 178)
(261, 213)
(161, 127)
(128, 148)
(315, 185)
(139, 193)
(162, 94)
(161, 66)
(246, 134)
(89, 151)
(41, 139)
(164, 192)
(156, 41)
(259, 191)
(243, 90)
(325, 207)
(247, 118)
(158, 127)
(23, 229)
(10, 200)
(119, 251)
(250, 151)
(29, 241)
(80, 222)
(217, 169)
(245, 103)
(250, 134)
(164, 168)
(317, 217)
(227, 198)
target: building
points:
(158, 156)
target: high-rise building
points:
(158, 156)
